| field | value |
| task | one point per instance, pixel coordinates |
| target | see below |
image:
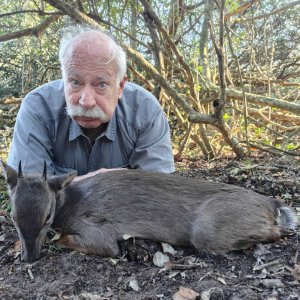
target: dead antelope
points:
(94, 213)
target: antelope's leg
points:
(92, 240)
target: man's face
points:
(91, 88)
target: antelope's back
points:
(136, 202)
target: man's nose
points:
(87, 99)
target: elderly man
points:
(91, 120)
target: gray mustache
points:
(95, 112)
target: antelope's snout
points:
(31, 250)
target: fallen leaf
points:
(205, 295)
(159, 259)
(173, 274)
(185, 294)
(168, 249)
(90, 296)
(210, 294)
(2, 237)
(133, 284)
(114, 261)
(16, 250)
(221, 279)
(30, 274)
(230, 275)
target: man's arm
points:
(31, 143)
(153, 149)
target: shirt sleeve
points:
(153, 149)
(31, 143)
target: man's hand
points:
(90, 174)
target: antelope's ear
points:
(69, 178)
(10, 174)
(60, 181)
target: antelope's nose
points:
(29, 258)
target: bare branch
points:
(265, 101)
(37, 11)
(109, 24)
(193, 6)
(272, 13)
(245, 104)
(74, 13)
(187, 70)
(280, 82)
(36, 31)
(203, 41)
(240, 9)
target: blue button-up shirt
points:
(137, 136)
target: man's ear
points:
(10, 175)
(60, 181)
(121, 86)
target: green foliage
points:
(24, 68)
(287, 147)
(259, 131)
(232, 5)
(24, 61)
(247, 162)
(198, 87)
(226, 117)
(287, 196)
(27, 62)
(291, 147)
(5, 203)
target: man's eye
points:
(75, 82)
(103, 84)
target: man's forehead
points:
(93, 45)
(95, 73)
(101, 54)
(90, 54)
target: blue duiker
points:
(93, 214)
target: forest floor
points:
(268, 271)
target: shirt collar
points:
(74, 131)
(110, 132)
(111, 129)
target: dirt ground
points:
(269, 271)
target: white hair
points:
(69, 36)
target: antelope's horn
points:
(20, 173)
(45, 171)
